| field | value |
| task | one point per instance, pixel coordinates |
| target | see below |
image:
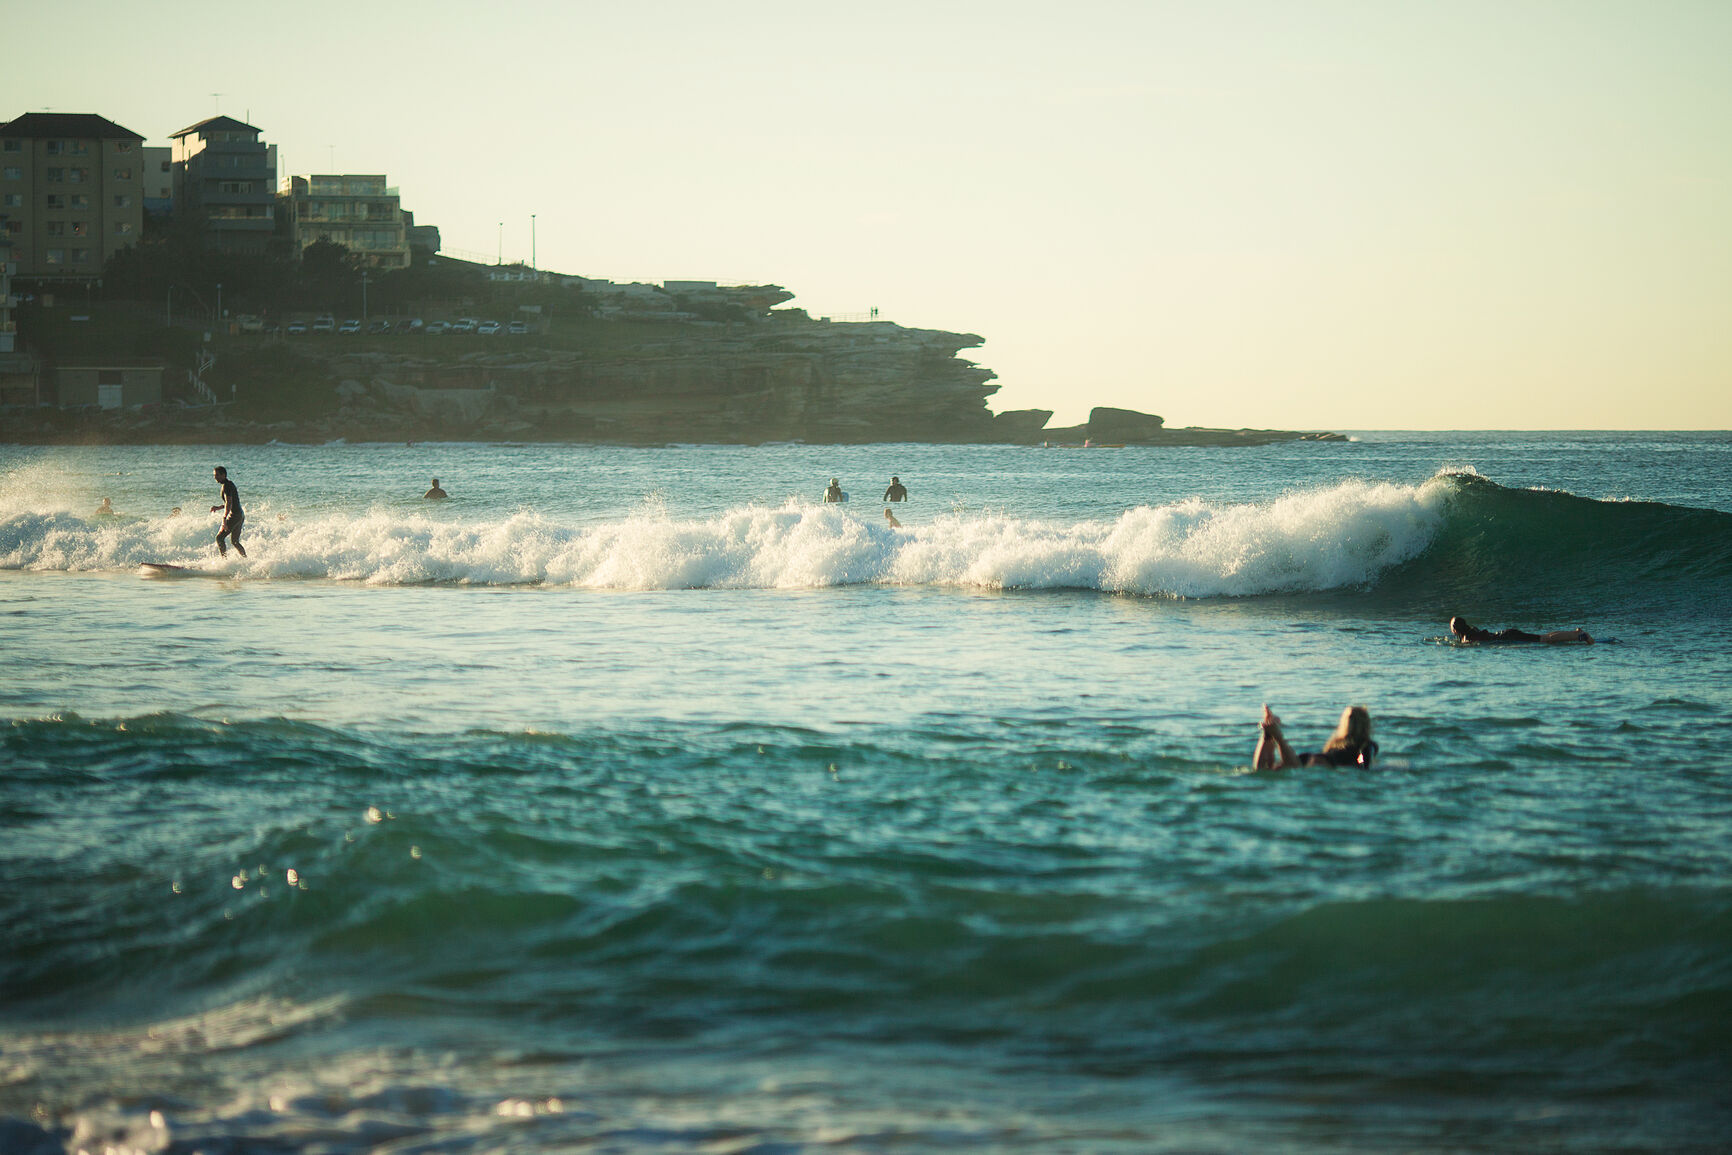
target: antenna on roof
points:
(218, 97)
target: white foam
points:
(1338, 536)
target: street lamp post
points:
(500, 259)
(532, 263)
(363, 296)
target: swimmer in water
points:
(1465, 632)
(891, 518)
(1350, 745)
(435, 494)
(896, 490)
(834, 493)
(106, 509)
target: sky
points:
(1338, 214)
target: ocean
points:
(633, 800)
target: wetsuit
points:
(233, 516)
(1497, 637)
(896, 492)
(1359, 757)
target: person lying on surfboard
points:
(1512, 636)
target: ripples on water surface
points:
(634, 803)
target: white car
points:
(325, 324)
(464, 325)
(349, 326)
(517, 328)
(435, 328)
(488, 328)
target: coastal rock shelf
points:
(779, 376)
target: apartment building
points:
(71, 193)
(226, 177)
(158, 181)
(360, 212)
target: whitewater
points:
(634, 799)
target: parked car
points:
(412, 325)
(325, 324)
(379, 326)
(247, 323)
(517, 328)
(297, 328)
(464, 325)
(436, 327)
(349, 326)
(487, 328)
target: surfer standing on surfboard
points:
(233, 517)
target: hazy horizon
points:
(1329, 216)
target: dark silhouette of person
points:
(233, 516)
(435, 494)
(897, 491)
(1514, 637)
(834, 493)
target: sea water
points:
(636, 800)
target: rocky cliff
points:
(741, 383)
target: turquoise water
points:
(636, 802)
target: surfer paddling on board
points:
(834, 493)
(435, 494)
(1466, 633)
(896, 490)
(1350, 745)
(233, 517)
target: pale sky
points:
(1340, 215)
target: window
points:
(12, 201)
(78, 147)
(123, 228)
(77, 175)
(80, 201)
(81, 256)
(12, 172)
(237, 186)
(123, 146)
(55, 257)
(122, 174)
(15, 227)
(56, 176)
(54, 147)
(54, 201)
(55, 228)
(11, 144)
(168, 166)
(122, 202)
(81, 228)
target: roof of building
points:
(77, 125)
(216, 124)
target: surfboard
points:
(166, 569)
(844, 498)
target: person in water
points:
(834, 493)
(891, 518)
(1510, 637)
(1350, 745)
(435, 494)
(233, 517)
(106, 509)
(896, 491)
